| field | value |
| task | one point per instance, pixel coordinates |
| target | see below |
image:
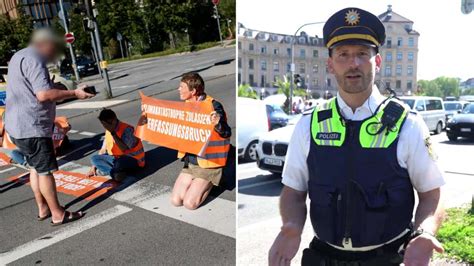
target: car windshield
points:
(452, 106)
(410, 102)
(469, 109)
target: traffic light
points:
(298, 80)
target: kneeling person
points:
(121, 151)
(200, 173)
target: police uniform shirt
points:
(413, 152)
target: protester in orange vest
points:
(121, 151)
(200, 173)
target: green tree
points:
(15, 35)
(430, 88)
(284, 88)
(246, 91)
(227, 12)
(448, 86)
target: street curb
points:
(132, 100)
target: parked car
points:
(85, 66)
(252, 122)
(272, 147)
(461, 125)
(278, 118)
(430, 108)
(453, 107)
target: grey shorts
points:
(39, 153)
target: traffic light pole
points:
(218, 23)
(293, 62)
(71, 50)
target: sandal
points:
(69, 217)
(39, 218)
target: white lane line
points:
(75, 150)
(61, 234)
(217, 216)
(73, 131)
(7, 170)
(86, 133)
(259, 184)
(90, 105)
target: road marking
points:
(89, 134)
(259, 184)
(7, 170)
(73, 131)
(217, 215)
(90, 105)
(62, 234)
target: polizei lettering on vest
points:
(328, 135)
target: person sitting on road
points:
(121, 151)
(200, 174)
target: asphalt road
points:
(135, 223)
(258, 213)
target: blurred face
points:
(184, 92)
(47, 49)
(354, 67)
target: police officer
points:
(359, 158)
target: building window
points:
(315, 53)
(399, 41)
(302, 68)
(250, 63)
(387, 84)
(410, 56)
(251, 81)
(240, 62)
(410, 70)
(315, 83)
(276, 66)
(409, 85)
(276, 51)
(263, 49)
(388, 57)
(263, 65)
(288, 51)
(398, 84)
(315, 68)
(250, 46)
(240, 45)
(288, 67)
(388, 71)
(302, 53)
(262, 81)
(328, 82)
(389, 42)
(399, 70)
(411, 41)
(399, 56)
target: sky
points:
(445, 44)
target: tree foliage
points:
(246, 91)
(440, 87)
(15, 35)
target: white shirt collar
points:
(367, 109)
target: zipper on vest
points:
(347, 241)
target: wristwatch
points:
(421, 231)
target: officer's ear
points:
(330, 65)
(378, 62)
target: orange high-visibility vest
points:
(136, 152)
(216, 151)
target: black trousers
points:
(321, 254)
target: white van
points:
(430, 108)
(252, 122)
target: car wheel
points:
(439, 128)
(251, 151)
(452, 137)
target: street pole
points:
(71, 50)
(218, 23)
(92, 13)
(292, 69)
(96, 56)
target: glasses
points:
(359, 57)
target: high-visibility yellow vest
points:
(217, 149)
(136, 152)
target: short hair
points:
(194, 82)
(107, 115)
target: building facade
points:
(265, 57)
(42, 11)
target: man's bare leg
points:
(179, 189)
(47, 187)
(43, 209)
(197, 193)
